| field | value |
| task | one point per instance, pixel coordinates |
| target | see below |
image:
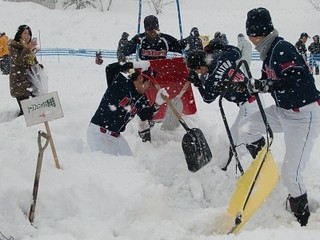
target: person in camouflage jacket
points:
(193, 42)
(123, 41)
(314, 49)
(21, 58)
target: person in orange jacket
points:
(4, 54)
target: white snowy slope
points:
(151, 195)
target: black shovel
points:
(195, 147)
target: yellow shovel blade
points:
(261, 186)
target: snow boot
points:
(255, 147)
(300, 209)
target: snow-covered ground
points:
(151, 195)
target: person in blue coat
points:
(122, 101)
(296, 112)
(210, 71)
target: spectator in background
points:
(221, 36)
(314, 48)
(4, 54)
(246, 51)
(22, 57)
(193, 42)
(99, 59)
(301, 45)
(123, 41)
(224, 38)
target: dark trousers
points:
(19, 99)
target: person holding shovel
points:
(123, 99)
(296, 112)
(210, 71)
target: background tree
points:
(315, 4)
(80, 4)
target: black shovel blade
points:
(196, 149)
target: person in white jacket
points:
(246, 51)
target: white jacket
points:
(246, 49)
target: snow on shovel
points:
(194, 144)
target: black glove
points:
(145, 135)
(237, 87)
(232, 87)
(194, 79)
(259, 85)
(136, 39)
(183, 43)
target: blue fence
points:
(113, 53)
(81, 52)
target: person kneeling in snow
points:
(123, 99)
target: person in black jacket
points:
(215, 66)
(152, 44)
(122, 100)
(301, 45)
(193, 42)
(296, 112)
(314, 49)
(123, 41)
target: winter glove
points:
(183, 43)
(232, 87)
(194, 79)
(145, 135)
(259, 85)
(136, 40)
(159, 98)
(144, 65)
(237, 87)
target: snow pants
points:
(300, 128)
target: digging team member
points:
(152, 45)
(215, 66)
(296, 112)
(123, 99)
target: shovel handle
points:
(169, 103)
(167, 100)
(183, 90)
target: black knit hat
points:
(259, 22)
(151, 23)
(215, 44)
(125, 35)
(196, 59)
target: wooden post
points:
(46, 124)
